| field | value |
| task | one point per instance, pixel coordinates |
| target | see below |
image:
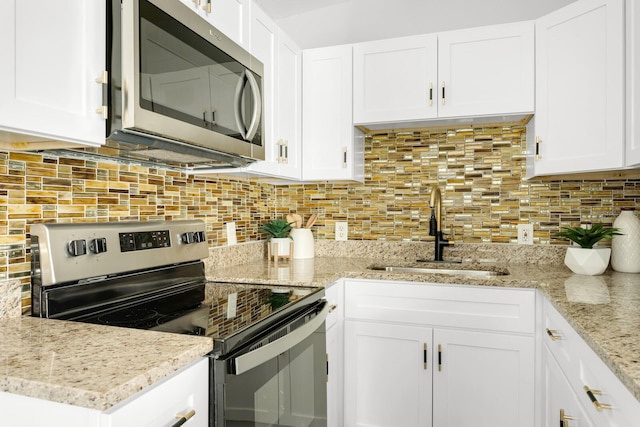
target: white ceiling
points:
(317, 23)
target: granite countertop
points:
(604, 310)
(96, 366)
(91, 366)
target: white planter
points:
(590, 262)
(625, 249)
(280, 246)
(302, 243)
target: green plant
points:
(276, 228)
(587, 237)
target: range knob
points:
(199, 236)
(188, 237)
(193, 237)
(77, 247)
(98, 246)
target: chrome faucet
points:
(435, 223)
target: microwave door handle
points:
(267, 352)
(257, 106)
(237, 101)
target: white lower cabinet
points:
(432, 354)
(334, 295)
(165, 402)
(561, 405)
(483, 379)
(606, 401)
(161, 404)
(387, 380)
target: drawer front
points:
(583, 368)
(470, 307)
(163, 403)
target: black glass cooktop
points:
(216, 310)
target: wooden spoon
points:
(298, 220)
(291, 220)
(312, 220)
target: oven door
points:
(281, 383)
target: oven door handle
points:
(267, 352)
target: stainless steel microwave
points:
(178, 89)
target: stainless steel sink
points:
(427, 270)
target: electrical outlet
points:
(525, 234)
(342, 230)
(232, 305)
(232, 238)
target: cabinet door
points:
(231, 17)
(52, 54)
(579, 123)
(264, 33)
(335, 350)
(327, 119)
(486, 71)
(483, 379)
(334, 376)
(387, 382)
(289, 108)
(633, 83)
(561, 406)
(395, 79)
(283, 155)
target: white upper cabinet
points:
(332, 148)
(485, 71)
(633, 83)
(264, 34)
(288, 111)
(52, 53)
(395, 79)
(232, 18)
(229, 16)
(579, 122)
(282, 86)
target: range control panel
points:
(68, 252)
(144, 240)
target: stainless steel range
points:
(268, 367)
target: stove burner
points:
(131, 317)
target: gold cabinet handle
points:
(183, 418)
(332, 307)
(430, 94)
(439, 357)
(538, 141)
(443, 96)
(564, 419)
(103, 80)
(592, 396)
(552, 334)
(103, 111)
(424, 356)
(207, 6)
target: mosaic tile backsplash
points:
(479, 171)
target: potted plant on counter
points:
(586, 259)
(278, 238)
